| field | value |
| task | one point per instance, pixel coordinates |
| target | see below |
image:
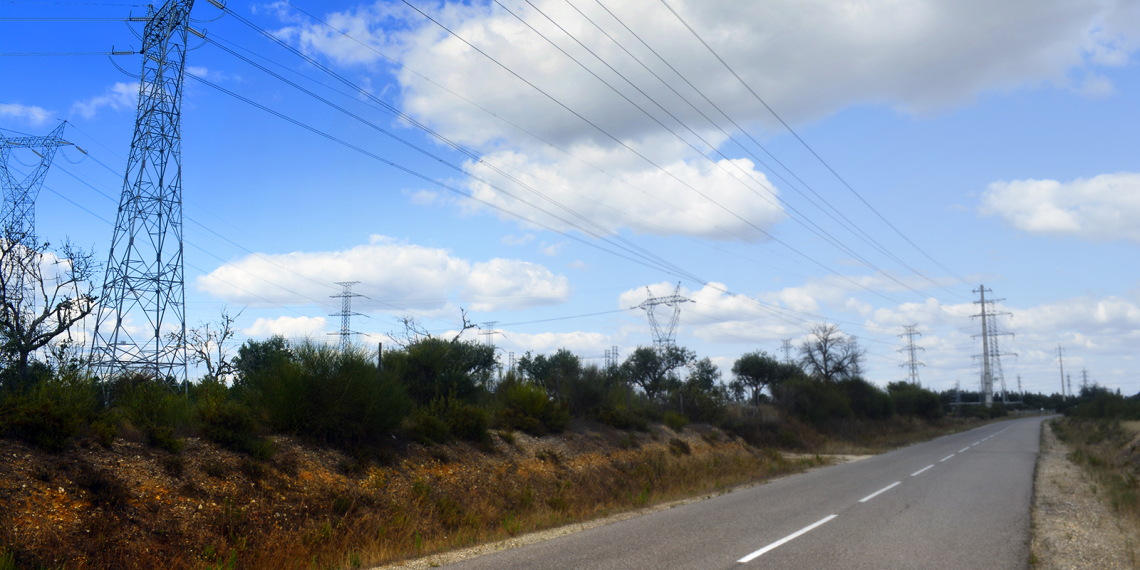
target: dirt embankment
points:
(1073, 524)
(132, 506)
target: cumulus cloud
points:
(394, 276)
(30, 114)
(288, 327)
(1103, 208)
(120, 97)
(807, 58)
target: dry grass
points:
(135, 507)
(1110, 452)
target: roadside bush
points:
(327, 395)
(48, 413)
(468, 422)
(911, 400)
(621, 417)
(812, 399)
(676, 422)
(528, 408)
(233, 426)
(868, 400)
(154, 408)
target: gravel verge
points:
(1072, 527)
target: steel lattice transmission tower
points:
(990, 350)
(144, 289)
(345, 313)
(19, 213)
(911, 349)
(786, 347)
(663, 336)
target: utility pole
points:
(1061, 359)
(144, 287)
(912, 363)
(345, 314)
(663, 336)
(786, 347)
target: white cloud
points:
(31, 114)
(550, 250)
(807, 58)
(1103, 208)
(518, 240)
(513, 284)
(120, 97)
(394, 276)
(289, 327)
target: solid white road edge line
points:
(919, 472)
(876, 493)
(947, 457)
(776, 544)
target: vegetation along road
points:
(960, 501)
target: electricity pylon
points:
(786, 347)
(141, 323)
(912, 362)
(989, 345)
(345, 313)
(19, 213)
(663, 336)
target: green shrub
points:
(428, 429)
(676, 422)
(468, 423)
(911, 400)
(528, 408)
(327, 395)
(154, 408)
(813, 399)
(623, 418)
(232, 425)
(48, 413)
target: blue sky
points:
(999, 138)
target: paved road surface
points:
(960, 502)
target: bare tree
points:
(414, 331)
(43, 293)
(207, 346)
(829, 354)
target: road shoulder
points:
(1072, 527)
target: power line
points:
(805, 144)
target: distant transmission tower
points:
(663, 336)
(144, 289)
(19, 213)
(996, 355)
(786, 347)
(345, 313)
(987, 315)
(912, 362)
(1061, 360)
(488, 331)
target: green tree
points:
(552, 372)
(757, 370)
(652, 368)
(257, 355)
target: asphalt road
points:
(960, 501)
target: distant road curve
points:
(958, 502)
